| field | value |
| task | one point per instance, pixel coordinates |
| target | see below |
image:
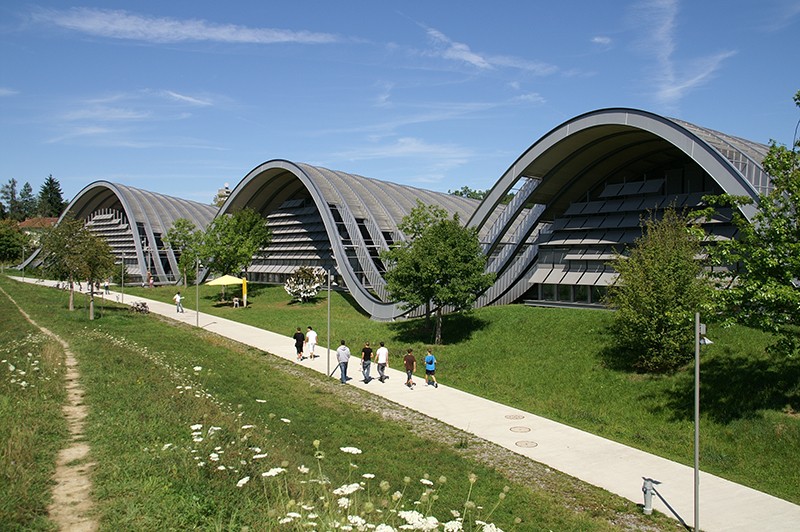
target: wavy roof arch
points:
(563, 165)
(379, 204)
(152, 212)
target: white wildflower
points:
(242, 482)
(198, 368)
(303, 469)
(350, 450)
(347, 489)
(286, 420)
(275, 471)
(426, 482)
(343, 502)
(368, 475)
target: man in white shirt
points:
(311, 341)
(382, 359)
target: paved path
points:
(724, 505)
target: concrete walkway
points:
(724, 505)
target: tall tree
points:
(70, 252)
(660, 286)
(10, 199)
(187, 240)
(13, 242)
(231, 241)
(764, 284)
(50, 201)
(441, 265)
(27, 201)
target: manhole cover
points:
(515, 416)
(527, 444)
(520, 429)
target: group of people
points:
(308, 342)
(302, 340)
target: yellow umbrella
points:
(225, 280)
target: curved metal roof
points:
(585, 151)
(154, 212)
(380, 205)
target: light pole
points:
(197, 294)
(23, 262)
(699, 338)
(329, 321)
(122, 277)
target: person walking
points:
(366, 362)
(430, 370)
(299, 340)
(311, 340)
(411, 366)
(178, 302)
(343, 356)
(382, 358)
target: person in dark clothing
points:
(299, 341)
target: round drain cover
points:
(527, 444)
(515, 416)
(520, 429)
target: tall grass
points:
(555, 363)
(32, 429)
(179, 418)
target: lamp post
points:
(122, 277)
(699, 338)
(197, 294)
(329, 321)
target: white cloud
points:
(117, 24)
(447, 48)
(188, 99)
(602, 40)
(5, 91)
(103, 113)
(658, 19)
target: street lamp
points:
(122, 277)
(197, 294)
(699, 338)
(329, 321)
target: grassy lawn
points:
(553, 362)
(32, 429)
(179, 417)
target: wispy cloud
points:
(451, 50)
(782, 15)
(117, 24)
(602, 40)
(5, 91)
(191, 100)
(673, 80)
(105, 114)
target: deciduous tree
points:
(185, 238)
(305, 283)
(440, 265)
(231, 241)
(661, 285)
(12, 241)
(764, 283)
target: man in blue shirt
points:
(430, 369)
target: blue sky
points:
(181, 97)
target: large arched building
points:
(578, 195)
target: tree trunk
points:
(438, 340)
(71, 295)
(185, 281)
(91, 301)
(428, 314)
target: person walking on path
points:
(382, 358)
(430, 370)
(366, 362)
(343, 355)
(311, 340)
(411, 366)
(299, 340)
(178, 302)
